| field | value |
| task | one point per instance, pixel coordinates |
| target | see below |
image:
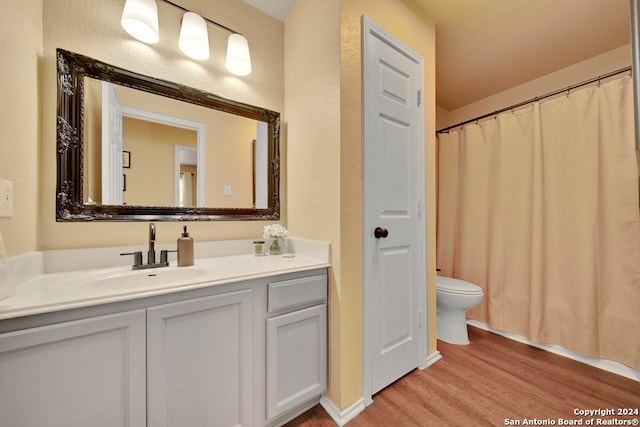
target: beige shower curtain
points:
(539, 206)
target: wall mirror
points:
(136, 148)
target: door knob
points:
(380, 232)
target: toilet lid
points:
(457, 286)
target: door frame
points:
(370, 28)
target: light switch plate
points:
(6, 198)
(227, 190)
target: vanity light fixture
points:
(140, 19)
(194, 38)
(238, 57)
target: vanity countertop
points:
(50, 292)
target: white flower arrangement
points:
(275, 230)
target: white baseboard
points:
(433, 358)
(604, 364)
(342, 416)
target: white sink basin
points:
(144, 278)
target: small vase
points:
(277, 246)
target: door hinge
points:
(419, 208)
(419, 320)
(419, 97)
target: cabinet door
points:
(89, 372)
(296, 358)
(199, 362)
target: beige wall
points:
(324, 152)
(92, 175)
(312, 126)
(93, 29)
(21, 41)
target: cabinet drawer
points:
(296, 292)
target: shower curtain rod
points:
(537, 98)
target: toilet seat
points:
(455, 286)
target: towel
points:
(7, 283)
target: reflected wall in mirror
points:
(131, 147)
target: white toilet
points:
(453, 298)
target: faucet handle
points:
(137, 258)
(164, 255)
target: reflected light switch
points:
(6, 198)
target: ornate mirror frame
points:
(72, 69)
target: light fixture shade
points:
(238, 57)
(140, 19)
(194, 38)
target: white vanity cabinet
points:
(247, 353)
(296, 343)
(199, 361)
(88, 372)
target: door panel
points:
(395, 183)
(393, 166)
(87, 372)
(296, 358)
(199, 362)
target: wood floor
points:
(494, 381)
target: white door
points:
(394, 233)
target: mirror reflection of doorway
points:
(260, 166)
(186, 172)
(187, 188)
(151, 177)
(150, 139)
(118, 121)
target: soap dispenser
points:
(185, 249)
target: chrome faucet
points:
(151, 253)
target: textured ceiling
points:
(485, 47)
